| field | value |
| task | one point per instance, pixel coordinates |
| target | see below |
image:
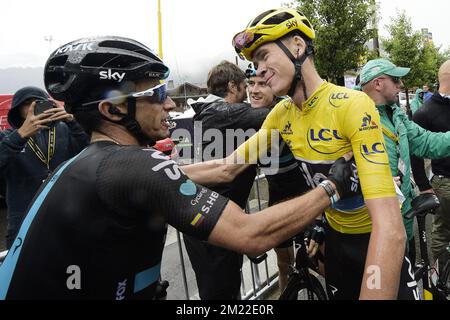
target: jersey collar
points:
(314, 99)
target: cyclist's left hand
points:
(344, 176)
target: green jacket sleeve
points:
(424, 143)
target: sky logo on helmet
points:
(87, 46)
(109, 75)
(291, 23)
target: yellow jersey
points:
(332, 122)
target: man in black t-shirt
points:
(217, 270)
(96, 227)
(434, 115)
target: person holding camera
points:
(42, 136)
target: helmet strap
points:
(298, 62)
(129, 121)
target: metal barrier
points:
(259, 287)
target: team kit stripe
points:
(197, 220)
(9, 265)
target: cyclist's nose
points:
(256, 88)
(261, 70)
(169, 104)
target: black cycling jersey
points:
(104, 214)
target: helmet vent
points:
(260, 17)
(306, 22)
(279, 18)
(59, 60)
(110, 60)
(126, 46)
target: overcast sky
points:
(196, 33)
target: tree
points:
(444, 56)
(407, 48)
(429, 62)
(341, 33)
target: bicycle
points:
(303, 283)
(436, 283)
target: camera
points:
(42, 105)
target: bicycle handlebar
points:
(422, 205)
(258, 259)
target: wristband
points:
(331, 192)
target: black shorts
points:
(285, 186)
(217, 270)
(345, 258)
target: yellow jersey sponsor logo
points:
(368, 123)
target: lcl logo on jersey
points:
(336, 99)
(370, 151)
(377, 147)
(109, 75)
(315, 136)
(324, 135)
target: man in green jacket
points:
(417, 102)
(380, 80)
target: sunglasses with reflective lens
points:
(396, 80)
(158, 94)
(241, 41)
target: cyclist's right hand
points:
(317, 236)
(344, 175)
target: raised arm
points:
(256, 233)
(214, 172)
(225, 170)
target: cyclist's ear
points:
(111, 111)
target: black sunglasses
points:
(396, 80)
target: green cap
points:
(377, 67)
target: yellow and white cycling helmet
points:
(270, 26)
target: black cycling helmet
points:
(85, 71)
(250, 71)
(84, 64)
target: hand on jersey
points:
(344, 175)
